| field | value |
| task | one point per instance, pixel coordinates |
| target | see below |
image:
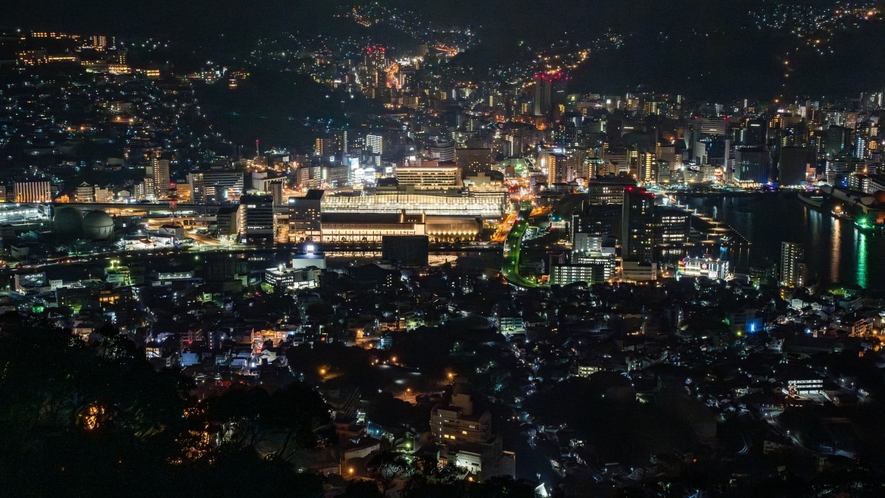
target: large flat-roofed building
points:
(608, 190)
(432, 175)
(569, 274)
(349, 228)
(452, 202)
(215, 187)
(38, 191)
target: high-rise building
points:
(836, 140)
(161, 176)
(375, 144)
(473, 161)
(557, 168)
(304, 216)
(38, 191)
(256, 221)
(325, 146)
(752, 165)
(792, 256)
(647, 168)
(792, 165)
(637, 225)
(753, 132)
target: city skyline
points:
(478, 249)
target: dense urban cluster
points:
(378, 261)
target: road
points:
(512, 249)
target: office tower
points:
(792, 256)
(39, 191)
(752, 165)
(637, 225)
(836, 140)
(792, 165)
(754, 132)
(304, 216)
(543, 98)
(442, 150)
(256, 221)
(473, 161)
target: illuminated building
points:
(569, 274)
(453, 202)
(215, 187)
(160, 169)
(441, 151)
(752, 165)
(603, 263)
(557, 166)
(304, 216)
(637, 225)
(647, 171)
(255, 217)
(85, 193)
(19, 213)
(37, 191)
(547, 86)
(348, 228)
(602, 190)
(754, 132)
(375, 144)
(467, 441)
(433, 176)
(792, 256)
(704, 267)
(293, 278)
(672, 225)
(633, 271)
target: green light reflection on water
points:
(861, 259)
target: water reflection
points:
(861, 250)
(835, 249)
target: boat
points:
(814, 199)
